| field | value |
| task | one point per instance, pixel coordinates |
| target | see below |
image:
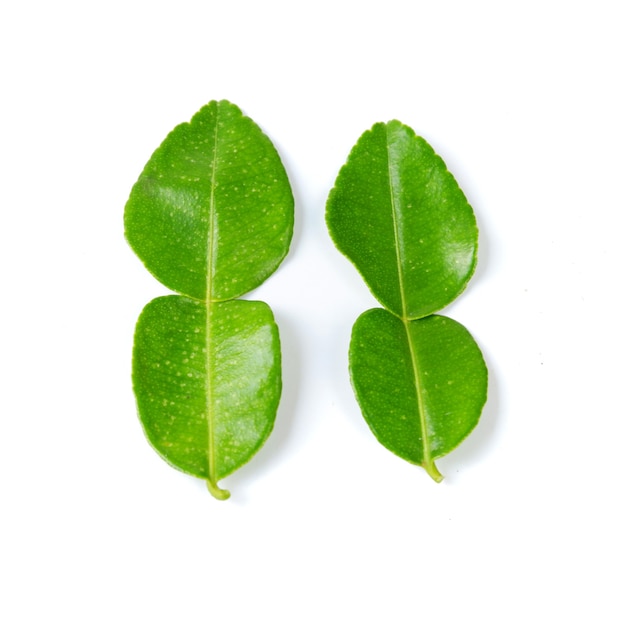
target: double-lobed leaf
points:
(211, 217)
(398, 214)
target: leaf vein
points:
(210, 417)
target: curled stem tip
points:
(216, 491)
(433, 471)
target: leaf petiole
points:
(432, 470)
(216, 491)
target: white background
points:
(525, 101)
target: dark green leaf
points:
(398, 214)
(421, 385)
(211, 216)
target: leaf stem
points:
(432, 470)
(216, 491)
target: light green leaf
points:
(211, 216)
(398, 214)
(421, 385)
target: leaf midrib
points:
(211, 461)
(427, 459)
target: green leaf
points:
(211, 216)
(207, 385)
(398, 214)
(421, 385)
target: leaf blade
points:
(421, 384)
(211, 215)
(399, 216)
(207, 382)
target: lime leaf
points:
(207, 385)
(421, 385)
(398, 214)
(211, 216)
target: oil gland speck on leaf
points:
(399, 216)
(211, 217)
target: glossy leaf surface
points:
(398, 214)
(211, 216)
(421, 385)
(207, 385)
